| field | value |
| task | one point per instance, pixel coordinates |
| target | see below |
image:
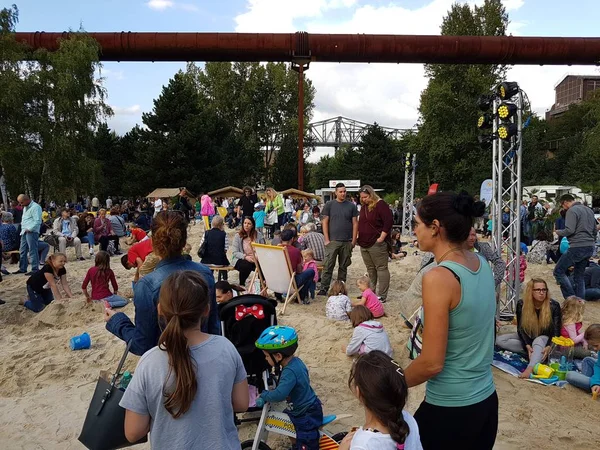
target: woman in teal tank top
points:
(460, 409)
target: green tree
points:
(260, 102)
(185, 143)
(51, 111)
(449, 152)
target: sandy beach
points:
(45, 388)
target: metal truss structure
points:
(339, 131)
(507, 193)
(409, 194)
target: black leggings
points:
(244, 268)
(472, 427)
(104, 240)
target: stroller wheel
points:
(247, 445)
(338, 437)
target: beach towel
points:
(514, 364)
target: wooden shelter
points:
(228, 191)
(296, 193)
(168, 193)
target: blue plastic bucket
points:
(81, 342)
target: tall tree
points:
(449, 153)
(52, 113)
(260, 102)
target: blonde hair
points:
(308, 252)
(530, 322)
(364, 280)
(337, 287)
(572, 310)
(367, 189)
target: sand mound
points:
(45, 388)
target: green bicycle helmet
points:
(278, 339)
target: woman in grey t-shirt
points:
(186, 390)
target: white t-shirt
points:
(158, 205)
(369, 440)
(289, 205)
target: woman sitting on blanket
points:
(538, 321)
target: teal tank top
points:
(467, 375)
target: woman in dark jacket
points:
(215, 246)
(539, 319)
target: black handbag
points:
(104, 426)
(202, 249)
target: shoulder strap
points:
(453, 272)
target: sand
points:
(45, 388)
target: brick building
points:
(572, 89)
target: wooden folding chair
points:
(275, 271)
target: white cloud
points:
(133, 110)
(160, 5)
(111, 74)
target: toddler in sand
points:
(368, 334)
(338, 304)
(379, 384)
(308, 257)
(368, 298)
(589, 378)
(100, 275)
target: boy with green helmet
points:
(279, 343)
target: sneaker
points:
(18, 272)
(81, 258)
(381, 299)
(5, 272)
(2, 302)
(30, 273)
(91, 251)
(322, 293)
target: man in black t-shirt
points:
(247, 201)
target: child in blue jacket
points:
(279, 344)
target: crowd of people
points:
(177, 300)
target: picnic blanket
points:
(514, 364)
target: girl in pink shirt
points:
(309, 263)
(100, 275)
(572, 318)
(368, 298)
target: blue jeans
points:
(582, 380)
(88, 239)
(307, 427)
(29, 245)
(577, 257)
(305, 279)
(592, 294)
(37, 302)
(116, 301)
(43, 250)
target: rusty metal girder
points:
(363, 48)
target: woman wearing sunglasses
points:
(538, 321)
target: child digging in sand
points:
(368, 334)
(100, 275)
(368, 298)
(42, 286)
(338, 304)
(378, 383)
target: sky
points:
(384, 93)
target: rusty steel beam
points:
(363, 48)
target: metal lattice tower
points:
(507, 193)
(409, 194)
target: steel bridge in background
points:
(339, 131)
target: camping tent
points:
(168, 193)
(295, 193)
(228, 191)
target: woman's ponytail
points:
(183, 303)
